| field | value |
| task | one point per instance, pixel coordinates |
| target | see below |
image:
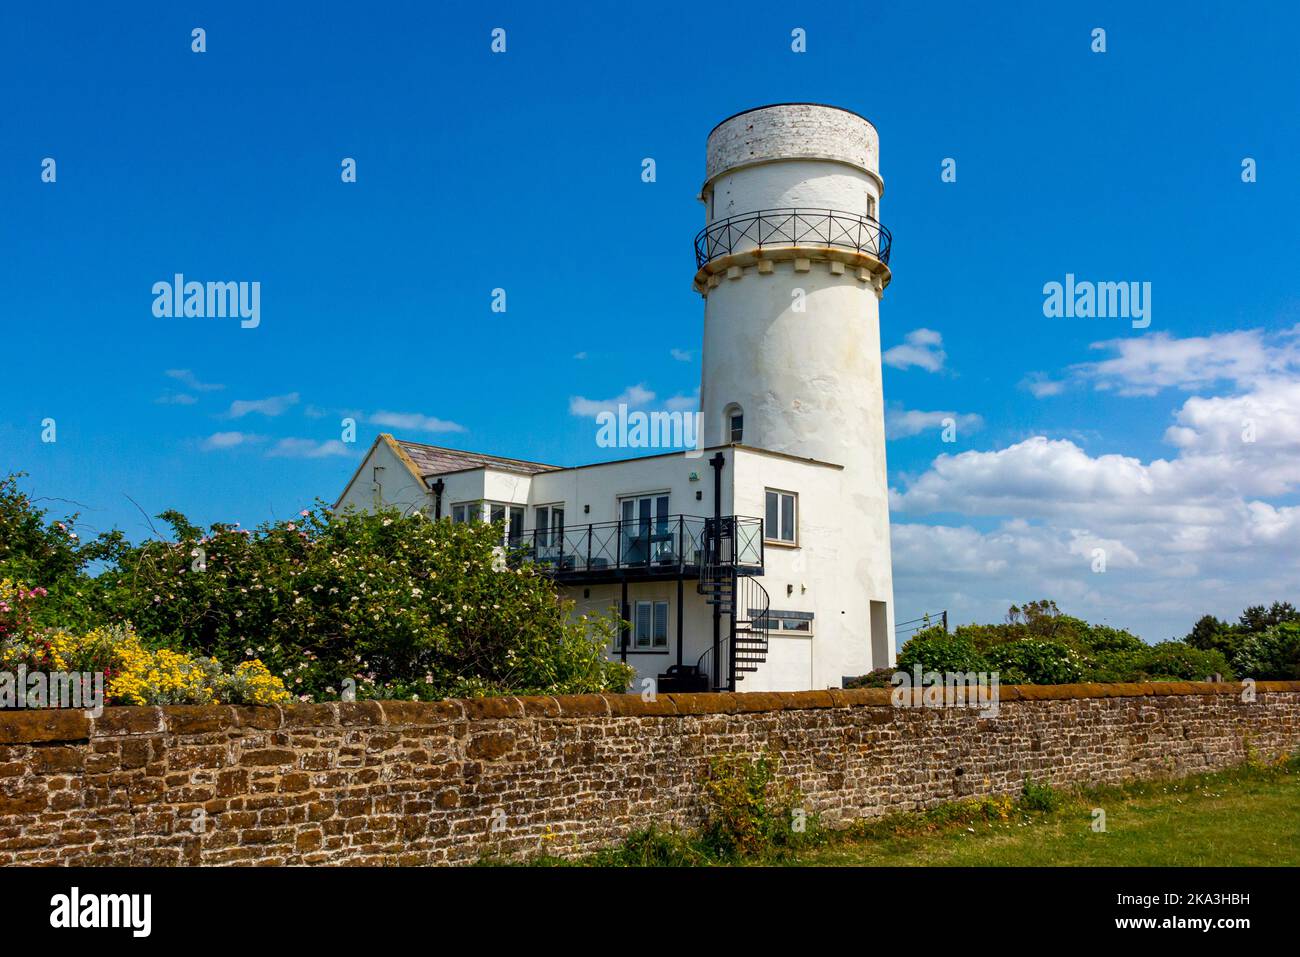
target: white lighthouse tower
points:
(793, 263)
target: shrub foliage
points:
(383, 604)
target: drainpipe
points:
(437, 487)
(718, 461)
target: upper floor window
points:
(512, 516)
(734, 423)
(549, 524)
(871, 206)
(781, 517)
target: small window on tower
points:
(871, 206)
(734, 424)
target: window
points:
(733, 425)
(467, 512)
(781, 516)
(550, 525)
(645, 530)
(650, 625)
(791, 624)
(871, 206)
(511, 515)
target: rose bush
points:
(376, 604)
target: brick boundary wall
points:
(383, 783)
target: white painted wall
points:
(598, 488)
(790, 183)
(393, 486)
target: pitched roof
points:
(435, 460)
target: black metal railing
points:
(664, 543)
(793, 227)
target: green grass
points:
(1241, 817)
(1248, 815)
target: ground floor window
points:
(792, 624)
(650, 625)
(466, 512)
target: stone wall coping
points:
(52, 726)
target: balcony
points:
(668, 546)
(829, 228)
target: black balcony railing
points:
(793, 227)
(667, 543)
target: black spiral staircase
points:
(743, 602)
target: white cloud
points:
(922, 348)
(308, 449)
(176, 398)
(1143, 365)
(1183, 535)
(633, 397)
(1041, 386)
(414, 422)
(580, 355)
(191, 381)
(681, 355)
(902, 423)
(229, 440)
(271, 406)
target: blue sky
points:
(522, 171)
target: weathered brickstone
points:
(31, 727)
(128, 720)
(198, 719)
(268, 756)
(449, 782)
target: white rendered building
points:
(761, 562)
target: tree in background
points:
(1264, 643)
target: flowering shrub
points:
(382, 605)
(1037, 644)
(15, 606)
(936, 650)
(1033, 662)
(379, 604)
(1272, 654)
(134, 674)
